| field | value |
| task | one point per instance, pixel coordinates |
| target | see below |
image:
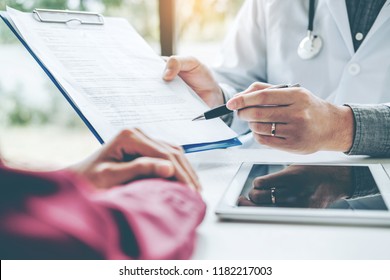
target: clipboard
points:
(6, 20)
(73, 19)
(59, 16)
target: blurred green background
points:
(36, 122)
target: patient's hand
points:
(132, 155)
(301, 186)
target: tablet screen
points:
(311, 186)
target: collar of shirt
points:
(362, 15)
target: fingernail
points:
(231, 104)
(165, 169)
(195, 188)
(167, 73)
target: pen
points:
(223, 110)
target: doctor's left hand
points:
(293, 119)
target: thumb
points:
(172, 68)
(177, 64)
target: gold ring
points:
(273, 198)
(273, 129)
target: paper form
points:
(115, 78)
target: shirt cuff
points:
(239, 126)
(372, 130)
(227, 92)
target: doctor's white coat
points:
(262, 46)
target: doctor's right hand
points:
(294, 119)
(197, 76)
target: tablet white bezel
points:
(228, 209)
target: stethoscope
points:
(311, 45)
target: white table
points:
(242, 240)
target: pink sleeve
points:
(162, 216)
(57, 216)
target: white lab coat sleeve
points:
(242, 59)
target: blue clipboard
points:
(4, 16)
(97, 19)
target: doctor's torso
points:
(264, 41)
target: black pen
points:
(223, 110)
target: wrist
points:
(80, 168)
(217, 97)
(342, 129)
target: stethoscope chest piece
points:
(310, 46)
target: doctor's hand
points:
(293, 119)
(132, 155)
(197, 76)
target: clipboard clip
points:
(64, 16)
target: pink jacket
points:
(58, 215)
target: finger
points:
(265, 114)
(281, 129)
(177, 64)
(266, 97)
(135, 142)
(188, 168)
(256, 86)
(183, 170)
(243, 201)
(150, 167)
(185, 165)
(273, 142)
(178, 153)
(123, 172)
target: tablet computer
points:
(331, 194)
